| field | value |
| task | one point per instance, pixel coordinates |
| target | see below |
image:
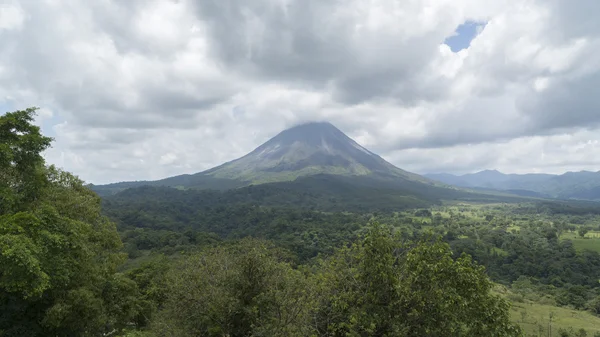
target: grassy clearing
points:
(591, 240)
(534, 319)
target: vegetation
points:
(58, 255)
(378, 286)
(526, 247)
(542, 319)
(382, 286)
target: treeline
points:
(522, 248)
(325, 193)
(552, 267)
(572, 207)
(171, 226)
(167, 220)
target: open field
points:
(591, 240)
(538, 319)
(534, 319)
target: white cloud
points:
(167, 159)
(549, 154)
(11, 16)
(144, 90)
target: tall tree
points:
(21, 164)
(58, 254)
(246, 289)
(381, 286)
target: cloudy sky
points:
(134, 90)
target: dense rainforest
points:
(512, 242)
(275, 260)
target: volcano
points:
(315, 148)
(307, 149)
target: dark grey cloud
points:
(575, 19)
(575, 103)
(286, 40)
(324, 43)
(95, 65)
(119, 20)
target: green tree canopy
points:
(58, 254)
(21, 164)
(381, 286)
(246, 289)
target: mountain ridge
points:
(583, 185)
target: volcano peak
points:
(306, 149)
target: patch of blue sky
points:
(463, 35)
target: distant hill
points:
(584, 185)
(304, 150)
(322, 192)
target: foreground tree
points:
(58, 255)
(242, 290)
(382, 287)
(22, 168)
